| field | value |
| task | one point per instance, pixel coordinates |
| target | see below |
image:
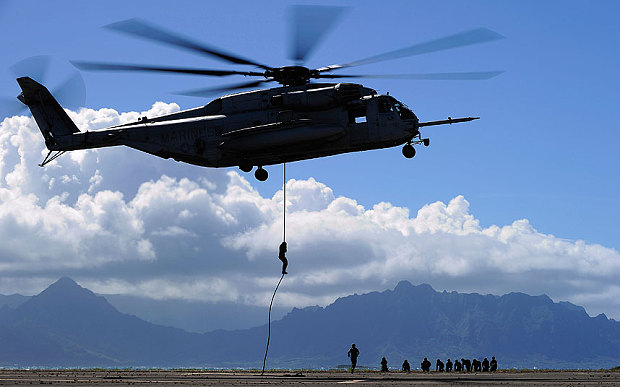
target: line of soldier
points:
(464, 365)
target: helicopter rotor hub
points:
(291, 75)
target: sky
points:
(525, 199)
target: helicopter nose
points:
(413, 125)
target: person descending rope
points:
(282, 257)
(283, 247)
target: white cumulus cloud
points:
(121, 221)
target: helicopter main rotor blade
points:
(466, 38)
(147, 31)
(310, 25)
(96, 66)
(210, 91)
(466, 76)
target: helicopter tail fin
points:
(51, 118)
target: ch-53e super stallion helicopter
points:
(298, 120)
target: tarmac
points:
(306, 378)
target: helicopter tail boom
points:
(53, 121)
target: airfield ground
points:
(305, 378)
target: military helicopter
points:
(298, 120)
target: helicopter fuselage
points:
(263, 127)
(250, 129)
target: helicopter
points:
(295, 121)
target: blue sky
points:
(545, 148)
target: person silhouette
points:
(485, 365)
(439, 366)
(448, 365)
(282, 257)
(458, 367)
(476, 364)
(425, 365)
(353, 354)
(466, 365)
(384, 367)
(493, 364)
(406, 366)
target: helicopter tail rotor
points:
(71, 92)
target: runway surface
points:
(309, 378)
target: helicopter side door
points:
(357, 125)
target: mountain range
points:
(67, 325)
(189, 315)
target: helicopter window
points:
(357, 114)
(402, 110)
(384, 106)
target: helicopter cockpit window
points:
(357, 114)
(402, 110)
(384, 106)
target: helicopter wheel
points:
(427, 141)
(408, 151)
(246, 166)
(261, 174)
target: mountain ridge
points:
(68, 325)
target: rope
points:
(269, 324)
(284, 211)
(281, 278)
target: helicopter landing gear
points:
(246, 166)
(408, 151)
(261, 174)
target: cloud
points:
(121, 221)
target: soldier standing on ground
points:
(384, 367)
(353, 354)
(406, 366)
(485, 365)
(493, 364)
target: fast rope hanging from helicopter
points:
(282, 256)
